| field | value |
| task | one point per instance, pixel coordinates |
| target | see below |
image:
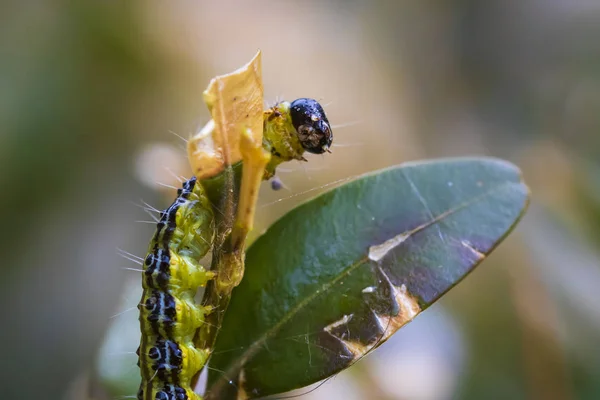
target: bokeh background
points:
(91, 91)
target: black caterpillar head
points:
(312, 125)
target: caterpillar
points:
(169, 317)
(172, 274)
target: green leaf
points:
(337, 276)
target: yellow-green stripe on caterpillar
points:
(169, 317)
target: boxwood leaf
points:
(338, 275)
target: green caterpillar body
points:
(169, 316)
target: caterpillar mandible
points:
(169, 317)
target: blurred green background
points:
(90, 91)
